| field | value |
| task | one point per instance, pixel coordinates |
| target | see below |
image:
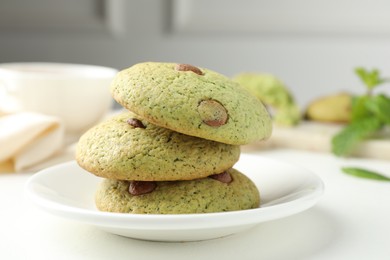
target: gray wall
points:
(311, 45)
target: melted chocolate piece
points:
(188, 67)
(135, 123)
(212, 113)
(141, 187)
(223, 177)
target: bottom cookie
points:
(180, 197)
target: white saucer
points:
(68, 191)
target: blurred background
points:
(311, 45)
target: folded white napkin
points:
(27, 139)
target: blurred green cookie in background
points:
(274, 94)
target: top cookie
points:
(193, 101)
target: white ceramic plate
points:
(68, 191)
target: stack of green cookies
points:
(173, 150)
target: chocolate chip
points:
(223, 177)
(212, 113)
(135, 123)
(188, 67)
(141, 187)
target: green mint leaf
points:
(369, 114)
(363, 173)
(370, 78)
(344, 142)
(379, 106)
(359, 108)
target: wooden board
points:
(316, 137)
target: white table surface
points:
(351, 221)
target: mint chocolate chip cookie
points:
(204, 195)
(193, 101)
(127, 147)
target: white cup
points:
(77, 94)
